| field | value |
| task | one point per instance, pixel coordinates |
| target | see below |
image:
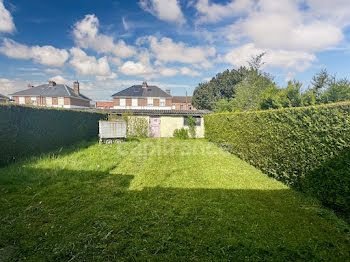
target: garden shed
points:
(162, 123)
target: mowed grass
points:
(159, 200)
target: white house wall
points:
(144, 107)
(168, 124)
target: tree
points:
(338, 91)
(291, 96)
(222, 86)
(249, 91)
(270, 98)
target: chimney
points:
(168, 92)
(76, 87)
(144, 85)
(52, 83)
(29, 86)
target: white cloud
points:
(45, 55)
(86, 35)
(89, 65)
(284, 24)
(115, 60)
(69, 82)
(166, 50)
(125, 24)
(9, 86)
(338, 10)
(287, 60)
(189, 72)
(212, 12)
(53, 71)
(167, 72)
(142, 68)
(6, 20)
(166, 10)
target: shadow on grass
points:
(62, 151)
(94, 216)
(330, 183)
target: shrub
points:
(138, 126)
(181, 133)
(191, 122)
(26, 131)
(292, 145)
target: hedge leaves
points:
(26, 131)
(307, 148)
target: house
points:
(3, 99)
(104, 104)
(182, 103)
(52, 95)
(142, 97)
(162, 123)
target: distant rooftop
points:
(46, 90)
(182, 99)
(146, 112)
(143, 90)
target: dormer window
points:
(149, 89)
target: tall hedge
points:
(307, 148)
(25, 131)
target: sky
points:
(175, 44)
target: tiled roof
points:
(2, 97)
(182, 99)
(145, 112)
(139, 91)
(50, 91)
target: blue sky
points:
(175, 44)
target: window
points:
(162, 102)
(61, 101)
(21, 100)
(150, 101)
(181, 107)
(122, 101)
(173, 107)
(134, 102)
(149, 89)
(189, 107)
(197, 123)
(49, 101)
(33, 100)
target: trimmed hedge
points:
(26, 131)
(307, 148)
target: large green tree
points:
(222, 86)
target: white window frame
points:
(134, 102)
(48, 98)
(122, 102)
(33, 100)
(162, 102)
(149, 101)
(21, 100)
(60, 101)
(173, 107)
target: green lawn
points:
(159, 200)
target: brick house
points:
(150, 98)
(3, 99)
(142, 97)
(52, 95)
(104, 104)
(182, 103)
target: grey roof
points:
(57, 90)
(2, 97)
(138, 91)
(145, 112)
